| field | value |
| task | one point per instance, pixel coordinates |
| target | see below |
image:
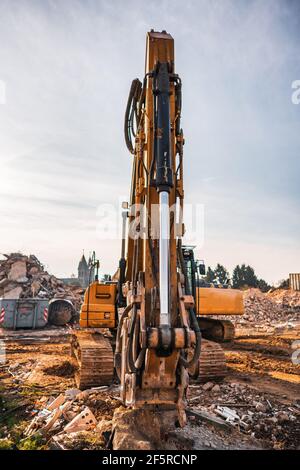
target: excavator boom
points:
(158, 324)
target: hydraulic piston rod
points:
(164, 257)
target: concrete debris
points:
(230, 416)
(208, 386)
(14, 293)
(210, 418)
(84, 421)
(285, 298)
(251, 412)
(25, 277)
(264, 311)
(85, 416)
(141, 429)
(18, 272)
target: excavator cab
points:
(211, 301)
(190, 268)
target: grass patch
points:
(7, 444)
(36, 442)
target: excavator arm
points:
(157, 324)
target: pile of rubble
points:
(25, 277)
(249, 411)
(285, 298)
(75, 419)
(267, 310)
(258, 307)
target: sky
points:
(65, 71)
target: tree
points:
(250, 277)
(221, 274)
(284, 284)
(263, 285)
(244, 276)
(237, 277)
(210, 275)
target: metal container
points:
(295, 281)
(23, 313)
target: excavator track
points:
(95, 359)
(211, 364)
(228, 330)
(221, 331)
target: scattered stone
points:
(260, 407)
(72, 393)
(282, 417)
(208, 386)
(104, 426)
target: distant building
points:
(295, 281)
(86, 274)
(83, 272)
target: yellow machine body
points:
(217, 301)
(99, 306)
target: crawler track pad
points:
(94, 355)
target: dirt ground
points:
(262, 386)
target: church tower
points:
(83, 272)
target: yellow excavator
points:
(149, 326)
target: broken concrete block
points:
(82, 422)
(130, 426)
(33, 270)
(282, 417)
(261, 407)
(13, 293)
(71, 393)
(208, 386)
(104, 425)
(18, 272)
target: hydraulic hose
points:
(193, 318)
(134, 364)
(118, 342)
(131, 113)
(131, 361)
(197, 350)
